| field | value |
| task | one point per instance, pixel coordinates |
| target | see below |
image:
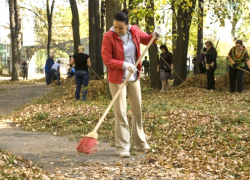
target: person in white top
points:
(56, 72)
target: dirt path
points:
(52, 153)
(13, 97)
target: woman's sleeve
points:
(144, 37)
(107, 54)
(246, 56)
(214, 56)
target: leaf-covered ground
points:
(194, 133)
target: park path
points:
(52, 153)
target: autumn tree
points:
(95, 37)
(183, 12)
(75, 24)
(49, 11)
(112, 7)
(200, 33)
(103, 12)
(15, 29)
(152, 51)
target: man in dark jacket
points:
(25, 70)
(145, 64)
(48, 66)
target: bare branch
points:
(37, 15)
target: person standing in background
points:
(202, 64)
(237, 57)
(211, 64)
(146, 66)
(194, 63)
(55, 71)
(25, 70)
(48, 66)
(82, 63)
(165, 69)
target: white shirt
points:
(55, 66)
(129, 52)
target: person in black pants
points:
(211, 65)
(237, 57)
(82, 63)
(25, 70)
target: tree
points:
(200, 34)
(95, 37)
(49, 18)
(183, 13)
(75, 24)
(15, 29)
(152, 51)
(112, 7)
(103, 11)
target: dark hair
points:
(164, 47)
(122, 16)
(239, 42)
(204, 49)
(146, 57)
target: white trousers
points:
(122, 135)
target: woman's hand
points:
(129, 67)
(158, 68)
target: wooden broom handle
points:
(123, 84)
(237, 67)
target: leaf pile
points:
(221, 83)
(199, 81)
(96, 89)
(12, 167)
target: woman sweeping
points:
(237, 57)
(165, 69)
(120, 50)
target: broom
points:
(237, 67)
(87, 143)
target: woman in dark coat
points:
(166, 67)
(211, 65)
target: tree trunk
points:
(75, 24)
(183, 19)
(14, 76)
(200, 36)
(125, 4)
(174, 30)
(112, 7)
(18, 30)
(103, 11)
(152, 51)
(49, 18)
(95, 37)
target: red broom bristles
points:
(86, 145)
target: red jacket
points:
(113, 52)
